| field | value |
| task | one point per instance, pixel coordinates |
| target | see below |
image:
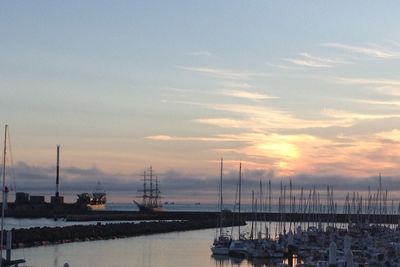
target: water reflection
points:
(225, 261)
(221, 260)
(190, 248)
(55, 256)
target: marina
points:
(189, 248)
(150, 250)
(200, 133)
(319, 229)
(311, 231)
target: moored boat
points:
(223, 241)
(95, 201)
(151, 198)
(6, 234)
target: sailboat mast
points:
(220, 198)
(151, 200)
(261, 209)
(269, 207)
(3, 192)
(240, 193)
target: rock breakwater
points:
(39, 236)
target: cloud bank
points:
(181, 187)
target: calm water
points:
(191, 248)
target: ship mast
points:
(157, 193)
(144, 187)
(3, 194)
(151, 192)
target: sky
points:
(301, 90)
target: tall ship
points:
(95, 201)
(151, 198)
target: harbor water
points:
(187, 248)
(190, 248)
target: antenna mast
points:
(58, 171)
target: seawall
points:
(39, 236)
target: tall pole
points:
(261, 207)
(240, 192)
(380, 194)
(3, 195)
(151, 187)
(157, 193)
(58, 172)
(269, 207)
(144, 187)
(220, 199)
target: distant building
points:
(21, 198)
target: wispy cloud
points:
(225, 73)
(202, 53)
(160, 137)
(393, 136)
(290, 154)
(260, 118)
(389, 90)
(308, 60)
(247, 94)
(283, 67)
(222, 122)
(388, 87)
(285, 153)
(370, 50)
(277, 139)
(378, 102)
(186, 138)
(265, 118)
(340, 114)
(371, 82)
(236, 85)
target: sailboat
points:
(223, 240)
(151, 199)
(239, 247)
(7, 261)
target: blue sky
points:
(292, 87)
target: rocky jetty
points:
(38, 236)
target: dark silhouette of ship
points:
(151, 199)
(95, 201)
